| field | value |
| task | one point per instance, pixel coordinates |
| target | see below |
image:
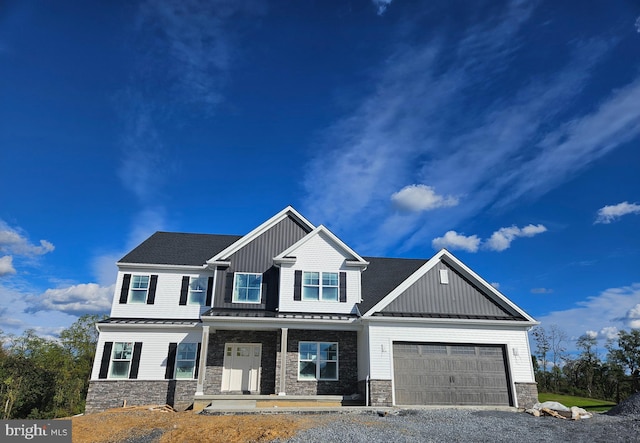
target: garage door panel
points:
(450, 374)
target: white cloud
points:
(13, 241)
(416, 198)
(408, 130)
(607, 312)
(381, 5)
(495, 285)
(541, 291)
(638, 24)
(6, 265)
(610, 213)
(502, 238)
(632, 317)
(88, 298)
(452, 240)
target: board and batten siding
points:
(167, 300)
(381, 338)
(319, 254)
(155, 347)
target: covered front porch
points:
(245, 366)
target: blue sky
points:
(507, 132)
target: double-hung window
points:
(186, 360)
(320, 286)
(139, 289)
(247, 288)
(197, 290)
(121, 359)
(317, 361)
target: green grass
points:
(590, 404)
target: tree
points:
(588, 361)
(542, 349)
(626, 354)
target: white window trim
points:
(113, 360)
(202, 291)
(233, 295)
(194, 360)
(318, 361)
(320, 287)
(131, 289)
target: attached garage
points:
(450, 374)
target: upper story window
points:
(197, 291)
(121, 359)
(320, 286)
(247, 288)
(139, 289)
(186, 360)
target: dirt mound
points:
(630, 406)
(138, 424)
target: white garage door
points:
(450, 374)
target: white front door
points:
(241, 370)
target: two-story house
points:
(289, 311)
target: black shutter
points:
(297, 285)
(195, 373)
(228, 288)
(184, 290)
(171, 361)
(106, 358)
(151, 298)
(209, 291)
(124, 292)
(135, 361)
(343, 287)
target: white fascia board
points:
(134, 266)
(273, 323)
(465, 270)
(289, 253)
(132, 326)
(246, 239)
(391, 296)
(452, 322)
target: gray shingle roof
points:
(176, 248)
(382, 276)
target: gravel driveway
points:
(456, 425)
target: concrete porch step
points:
(235, 402)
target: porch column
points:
(204, 349)
(283, 359)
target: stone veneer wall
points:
(347, 382)
(380, 392)
(215, 358)
(527, 394)
(106, 394)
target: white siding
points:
(155, 346)
(319, 254)
(381, 338)
(166, 304)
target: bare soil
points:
(143, 424)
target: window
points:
(121, 359)
(197, 291)
(444, 277)
(247, 288)
(139, 288)
(186, 360)
(320, 286)
(317, 361)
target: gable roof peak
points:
(287, 254)
(289, 211)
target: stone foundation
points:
(527, 394)
(106, 394)
(380, 393)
